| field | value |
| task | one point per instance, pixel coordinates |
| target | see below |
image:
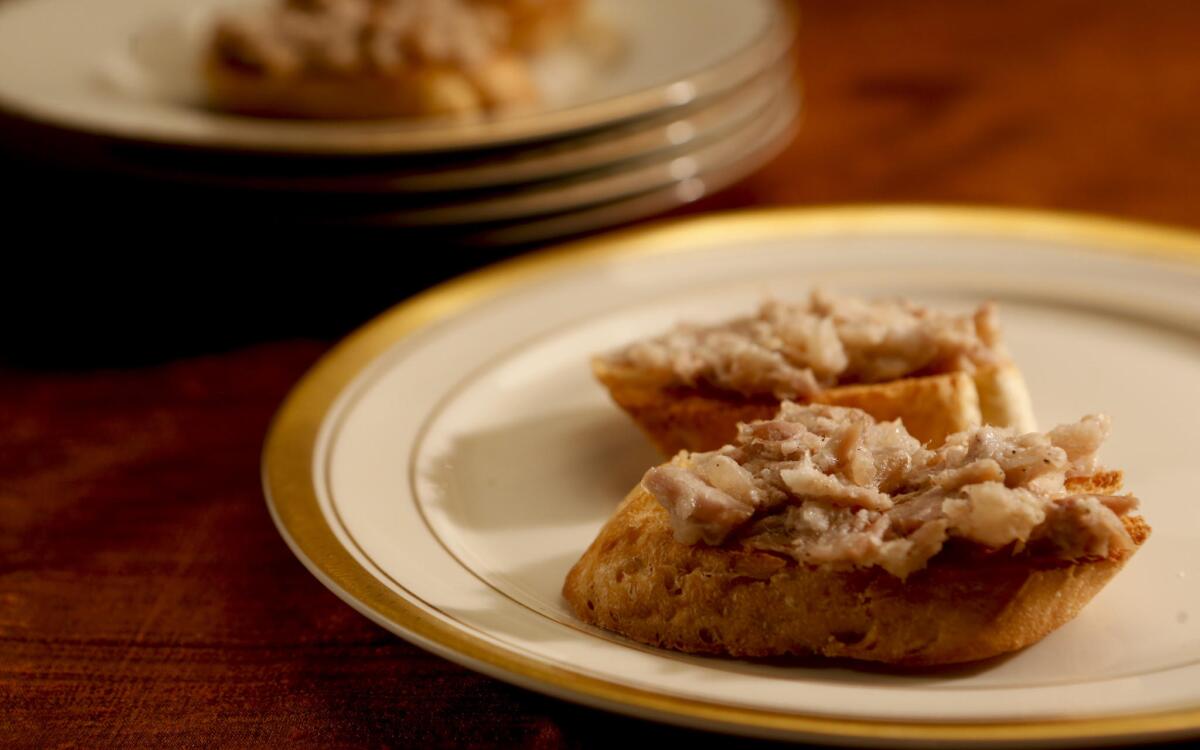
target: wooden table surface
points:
(145, 597)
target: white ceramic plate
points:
(682, 192)
(130, 72)
(671, 134)
(736, 150)
(442, 468)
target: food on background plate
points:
(536, 25)
(825, 531)
(369, 58)
(938, 372)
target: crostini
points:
(824, 531)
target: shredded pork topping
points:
(356, 36)
(795, 350)
(830, 485)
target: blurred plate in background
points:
(131, 72)
(684, 178)
(674, 131)
(645, 107)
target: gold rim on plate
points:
(292, 439)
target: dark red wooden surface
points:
(145, 598)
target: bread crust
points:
(931, 407)
(636, 580)
(1004, 399)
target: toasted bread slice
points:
(536, 25)
(931, 407)
(424, 91)
(637, 580)
(1004, 399)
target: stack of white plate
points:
(650, 105)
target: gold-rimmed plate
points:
(443, 467)
(131, 73)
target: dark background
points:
(1078, 105)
